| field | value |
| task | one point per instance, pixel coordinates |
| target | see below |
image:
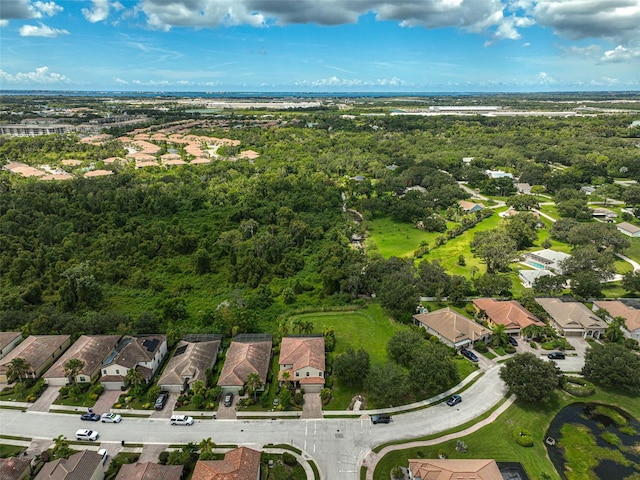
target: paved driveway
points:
(312, 407)
(106, 401)
(43, 403)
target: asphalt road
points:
(337, 445)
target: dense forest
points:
(229, 246)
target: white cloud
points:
(620, 54)
(41, 31)
(48, 8)
(612, 19)
(100, 10)
(26, 9)
(334, 81)
(472, 15)
(545, 79)
(41, 75)
(120, 81)
(590, 51)
(4, 22)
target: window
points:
(319, 374)
(117, 372)
(104, 371)
(82, 379)
(297, 374)
(307, 374)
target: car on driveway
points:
(556, 356)
(512, 341)
(454, 400)
(103, 455)
(161, 400)
(380, 418)
(469, 354)
(90, 416)
(228, 399)
(111, 418)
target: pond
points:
(594, 441)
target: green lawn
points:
(368, 328)
(394, 239)
(495, 441)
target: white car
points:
(181, 420)
(111, 418)
(88, 435)
(103, 454)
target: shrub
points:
(523, 437)
(510, 349)
(163, 457)
(397, 473)
(92, 396)
(298, 399)
(289, 459)
(533, 344)
(578, 387)
(481, 347)
(98, 389)
(64, 391)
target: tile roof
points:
(239, 464)
(133, 350)
(302, 352)
(455, 469)
(244, 358)
(628, 227)
(79, 466)
(508, 313)
(465, 205)
(13, 468)
(7, 337)
(91, 349)
(36, 350)
(618, 309)
(190, 359)
(149, 471)
(452, 325)
(571, 315)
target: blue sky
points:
(320, 45)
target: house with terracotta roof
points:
(15, 468)
(188, 364)
(8, 341)
(616, 308)
(150, 471)
(239, 464)
(39, 351)
(458, 469)
(509, 313)
(470, 207)
(85, 465)
(143, 353)
(246, 354)
(303, 358)
(573, 318)
(452, 328)
(92, 350)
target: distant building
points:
(523, 188)
(603, 214)
(546, 259)
(454, 469)
(509, 313)
(616, 309)
(470, 207)
(528, 277)
(35, 129)
(8, 341)
(452, 328)
(144, 353)
(188, 364)
(628, 229)
(573, 319)
(498, 174)
(246, 354)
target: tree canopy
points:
(529, 377)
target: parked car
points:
(454, 400)
(228, 399)
(111, 418)
(90, 416)
(512, 341)
(469, 354)
(103, 455)
(381, 418)
(556, 356)
(88, 435)
(181, 420)
(161, 400)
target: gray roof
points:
(91, 349)
(190, 359)
(79, 466)
(571, 315)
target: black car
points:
(556, 356)
(161, 400)
(90, 416)
(228, 399)
(469, 354)
(454, 400)
(513, 341)
(381, 418)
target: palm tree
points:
(307, 327)
(499, 334)
(283, 328)
(72, 368)
(134, 377)
(252, 384)
(206, 445)
(298, 323)
(18, 369)
(614, 330)
(61, 447)
(286, 378)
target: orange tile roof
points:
(239, 464)
(301, 352)
(455, 469)
(244, 358)
(508, 313)
(619, 309)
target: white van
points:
(181, 420)
(88, 435)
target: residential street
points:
(337, 445)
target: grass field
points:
(394, 239)
(495, 440)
